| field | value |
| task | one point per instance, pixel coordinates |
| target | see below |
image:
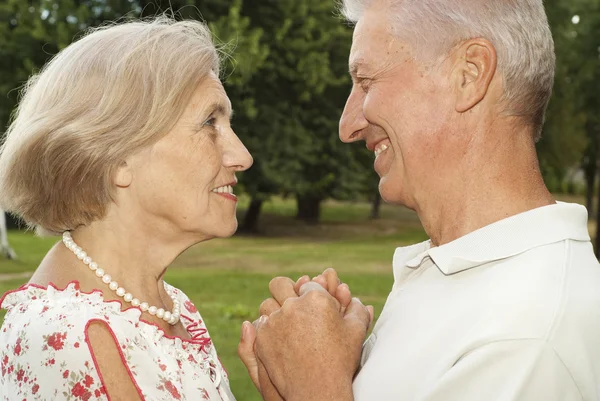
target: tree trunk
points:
(375, 206)
(251, 217)
(309, 208)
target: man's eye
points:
(365, 83)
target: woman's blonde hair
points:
(104, 97)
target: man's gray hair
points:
(518, 29)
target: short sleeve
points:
(44, 356)
(512, 370)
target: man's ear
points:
(474, 68)
(124, 175)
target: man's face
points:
(398, 107)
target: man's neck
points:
(494, 181)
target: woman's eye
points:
(210, 122)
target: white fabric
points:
(508, 312)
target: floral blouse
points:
(45, 353)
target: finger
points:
(312, 286)
(344, 296)
(331, 277)
(267, 388)
(321, 280)
(371, 311)
(282, 288)
(357, 311)
(246, 352)
(268, 306)
(301, 281)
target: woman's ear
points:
(124, 175)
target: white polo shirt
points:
(507, 312)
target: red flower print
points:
(51, 361)
(171, 389)
(44, 309)
(56, 341)
(66, 374)
(190, 306)
(192, 359)
(97, 393)
(35, 388)
(88, 381)
(162, 367)
(18, 347)
(20, 374)
(76, 345)
(86, 396)
(78, 390)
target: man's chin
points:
(390, 192)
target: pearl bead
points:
(168, 316)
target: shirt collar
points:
(501, 240)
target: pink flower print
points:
(173, 390)
(190, 306)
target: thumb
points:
(358, 312)
(246, 352)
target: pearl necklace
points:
(170, 317)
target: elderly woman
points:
(122, 144)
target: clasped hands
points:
(307, 343)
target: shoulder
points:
(43, 347)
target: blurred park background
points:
(309, 202)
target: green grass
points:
(227, 279)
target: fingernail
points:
(262, 319)
(245, 329)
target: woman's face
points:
(182, 184)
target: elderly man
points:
(503, 302)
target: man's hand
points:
(310, 350)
